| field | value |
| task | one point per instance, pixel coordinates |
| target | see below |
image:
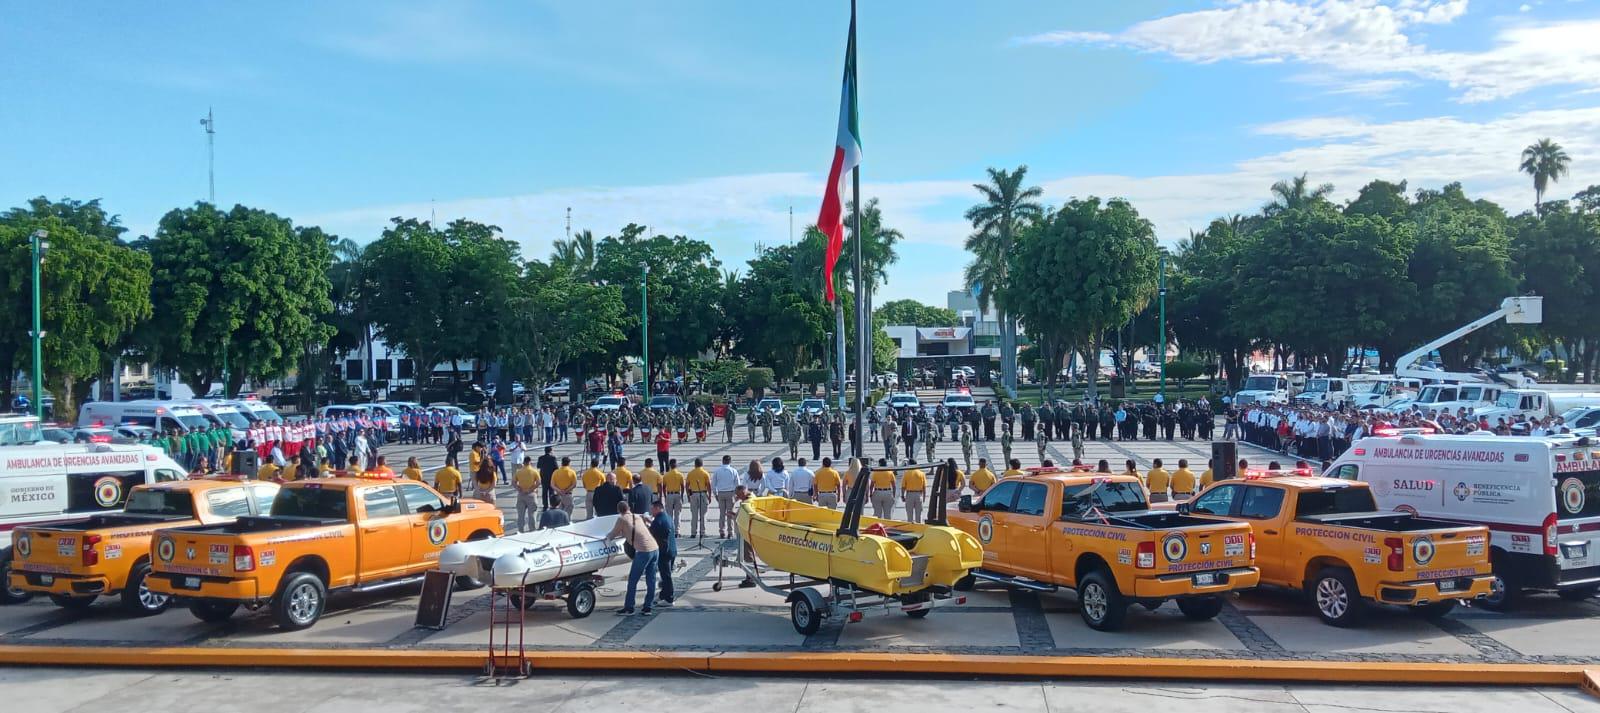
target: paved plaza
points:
(1255, 625)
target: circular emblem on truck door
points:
(985, 529)
(107, 492)
(1572, 495)
(437, 531)
(1174, 547)
(24, 544)
(1422, 550)
(166, 548)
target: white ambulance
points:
(54, 483)
(1539, 496)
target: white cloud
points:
(734, 213)
(1363, 40)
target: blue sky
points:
(713, 118)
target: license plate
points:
(191, 582)
(1575, 552)
(1448, 585)
(47, 579)
(1205, 579)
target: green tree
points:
(1558, 255)
(576, 255)
(778, 315)
(1545, 161)
(243, 286)
(758, 379)
(1006, 209)
(719, 375)
(1203, 294)
(554, 317)
(684, 282)
(902, 312)
(93, 291)
(1381, 198)
(1296, 193)
(1081, 271)
(1461, 267)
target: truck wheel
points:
(1503, 594)
(1336, 597)
(137, 599)
(580, 603)
(804, 615)
(1436, 610)
(212, 612)
(8, 593)
(1204, 608)
(1100, 604)
(300, 602)
(71, 603)
(1578, 594)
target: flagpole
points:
(863, 319)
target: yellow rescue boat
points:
(888, 557)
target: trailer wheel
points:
(580, 603)
(804, 612)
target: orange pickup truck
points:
(110, 554)
(357, 534)
(1097, 534)
(1326, 536)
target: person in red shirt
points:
(663, 445)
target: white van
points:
(225, 412)
(160, 415)
(1539, 497)
(51, 484)
(1326, 392)
(255, 410)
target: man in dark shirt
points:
(639, 496)
(607, 496)
(547, 467)
(553, 517)
(665, 532)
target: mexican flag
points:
(846, 156)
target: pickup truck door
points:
(1263, 508)
(383, 534)
(994, 509)
(431, 530)
(1027, 532)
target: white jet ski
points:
(529, 558)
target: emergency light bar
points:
(1392, 431)
(1254, 474)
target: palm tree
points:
(1295, 193)
(576, 254)
(1546, 161)
(1007, 206)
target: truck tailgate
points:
(183, 551)
(49, 550)
(1216, 545)
(1441, 554)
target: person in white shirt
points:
(775, 481)
(801, 482)
(724, 481)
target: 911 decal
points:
(1475, 545)
(1233, 546)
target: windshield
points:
(1381, 388)
(1472, 393)
(1509, 400)
(664, 401)
(1335, 501)
(1436, 394)
(231, 417)
(811, 403)
(160, 502)
(608, 401)
(1078, 501)
(266, 414)
(310, 502)
(12, 434)
(1261, 383)
(1317, 385)
(1573, 414)
(192, 421)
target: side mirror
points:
(1185, 509)
(965, 504)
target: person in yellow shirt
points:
(883, 491)
(671, 490)
(1131, 468)
(1157, 481)
(1014, 469)
(326, 469)
(698, 483)
(267, 471)
(1207, 477)
(413, 470)
(475, 457)
(955, 480)
(526, 482)
(827, 484)
(592, 478)
(1182, 481)
(982, 478)
(624, 476)
(290, 472)
(651, 477)
(447, 480)
(913, 488)
(563, 480)
(381, 468)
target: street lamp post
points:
(1161, 292)
(644, 336)
(827, 384)
(39, 246)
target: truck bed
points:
(260, 523)
(98, 522)
(1158, 520)
(1382, 521)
